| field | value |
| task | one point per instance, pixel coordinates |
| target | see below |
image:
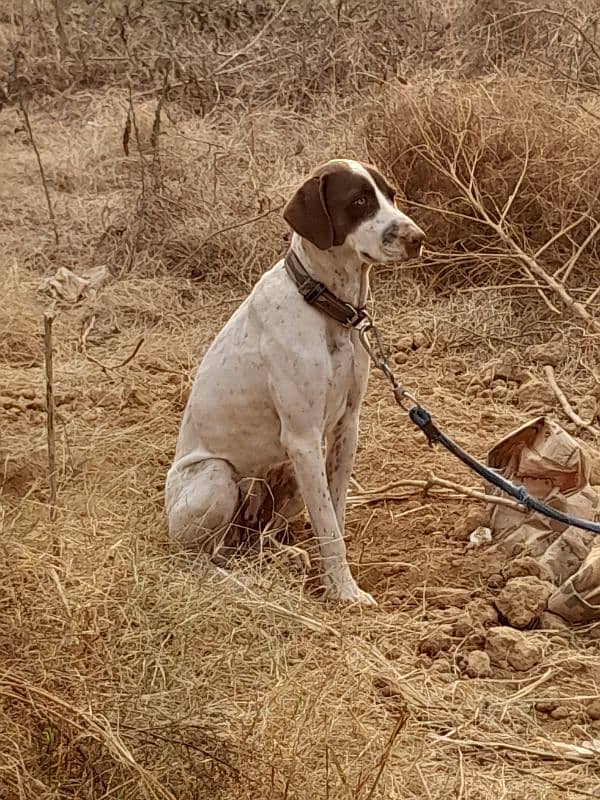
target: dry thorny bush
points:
(169, 135)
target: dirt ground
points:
(131, 670)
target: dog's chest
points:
(343, 375)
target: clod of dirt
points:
(479, 518)
(441, 665)
(545, 706)
(527, 566)
(505, 370)
(435, 642)
(478, 665)
(552, 622)
(552, 353)
(404, 343)
(592, 709)
(535, 394)
(507, 647)
(470, 631)
(482, 613)
(523, 599)
(495, 580)
(560, 712)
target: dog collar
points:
(317, 294)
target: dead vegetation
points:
(170, 135)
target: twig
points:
(40, 167)
(231, 227)
(489, 744)
(108, 367)
(566, 406)
(253, 41)
(50, 433)
(382, 493)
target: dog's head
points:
(350, 203)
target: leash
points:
(423, 420)
(317, 294)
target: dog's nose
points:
(413, 241)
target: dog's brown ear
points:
(307, 214)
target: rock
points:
(476, 639)
(441, 665)
(523, 599)
(552, 622)
(482, 613)
(495, 580)
(435, 642)
(552, 353)
(478, 665)
(592, 709)
(524, 566)
(463, 625)
(560, 712)
(404, 343)
(479, 518)
(545, 706)
(535, 394)
(479, 537)
(503, 370)
(507, 647)
(419, 339)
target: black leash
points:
(318, 295)
(423, 420)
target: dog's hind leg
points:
(202, 500)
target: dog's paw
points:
(350, 594)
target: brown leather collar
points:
(318, 295)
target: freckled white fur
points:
(279, 380)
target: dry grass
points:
(130, 671)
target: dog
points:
(271, 424)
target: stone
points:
(507, 647)
(495, 580)
(552, 622)
(527, 565)
(522, 600)
(592, 709)
(548, 353)
(545, 706)
(560, 712)
(478, 518)
(478, 664)
(435, 642)
(482, 613)
(535, 394)
(404, 343)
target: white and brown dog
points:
(271, 424)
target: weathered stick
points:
(566, 406)
(40, 167)
(382, 493)
(50, 434)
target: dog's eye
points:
(360, 201)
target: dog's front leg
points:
(341, 450)
(309, 465)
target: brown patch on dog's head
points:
(334, 201)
